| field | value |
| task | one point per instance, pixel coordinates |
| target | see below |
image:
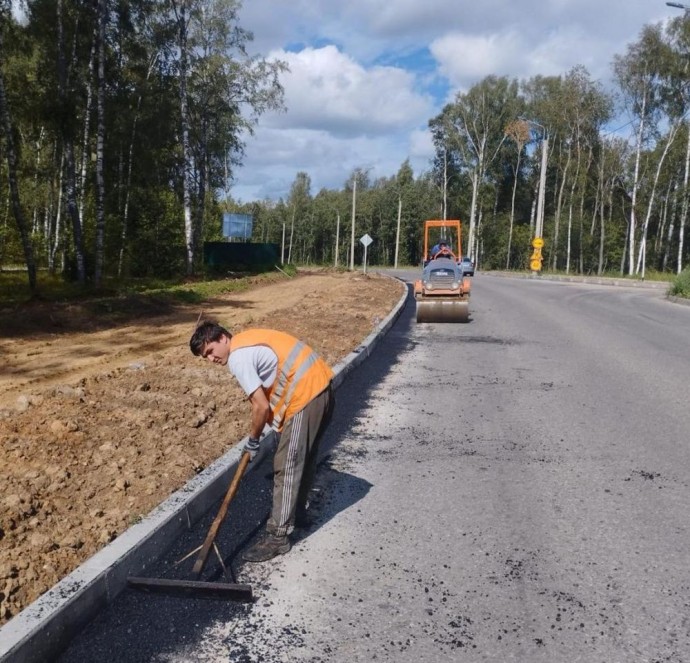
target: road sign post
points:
(536, 257)
(365, 240)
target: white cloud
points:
(421, 146)
(328, 90)
(341, 116)
(345, 110)
(275, 156)
(466, 58)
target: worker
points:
(289, 387)
(440, 249)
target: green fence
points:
(220, 257)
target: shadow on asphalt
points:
(139, 627)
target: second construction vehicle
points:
(443, 292)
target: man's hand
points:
(252, 447)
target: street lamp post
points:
(539, 230)
(538, 241)
(359, 172)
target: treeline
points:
(120, 123)
(121, 126)
(610, 203)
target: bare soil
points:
(104, 414)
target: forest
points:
(122, 124)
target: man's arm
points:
(261, 412)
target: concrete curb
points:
(683, 301)
(593, 280)
(597, 280)
(44, 628)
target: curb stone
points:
(684, 301)
(597, 280)
(594, 280)
(45, 627)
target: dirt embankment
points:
(100, 423)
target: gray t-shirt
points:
(253, 367)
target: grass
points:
(650, 275)
(63, 307)
(14, 289)
(681, 284)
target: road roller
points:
(443, 292)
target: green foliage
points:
(289, 270)
(14, 287)
(681, 284)
(486, 167)
(144, 166)
(114, 295)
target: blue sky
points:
(367, 75)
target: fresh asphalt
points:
(510, 489)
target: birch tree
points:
(477, 119)
(519, 132)
(12, 162)
(637, 75)
(101, 22)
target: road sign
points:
(538, 242)
(535, 265)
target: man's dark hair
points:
(206, 332)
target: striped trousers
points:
(294, 463)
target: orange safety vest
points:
(301, 376)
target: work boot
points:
(267, 547)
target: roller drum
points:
(443, 311)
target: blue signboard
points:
(237, 225)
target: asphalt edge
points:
(46, 626)
(598, 280)
(592, 280)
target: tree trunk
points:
(397, 231)
(100, 145)
(184, 128)
(11, 155)
(69, 180)
(641, 258)
(473, 214)
(512, 207)
(292, 234)
(445, 186)
(52, 251)
(128, 179)
(81, 195)
(203, 178)
(571, 204)
(602, 195)
(636, 184)
(559, 208)
(602, 228)
(669, 236)
(583, 192)
(661, 228)
(684, 207)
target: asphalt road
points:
(511, 489)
